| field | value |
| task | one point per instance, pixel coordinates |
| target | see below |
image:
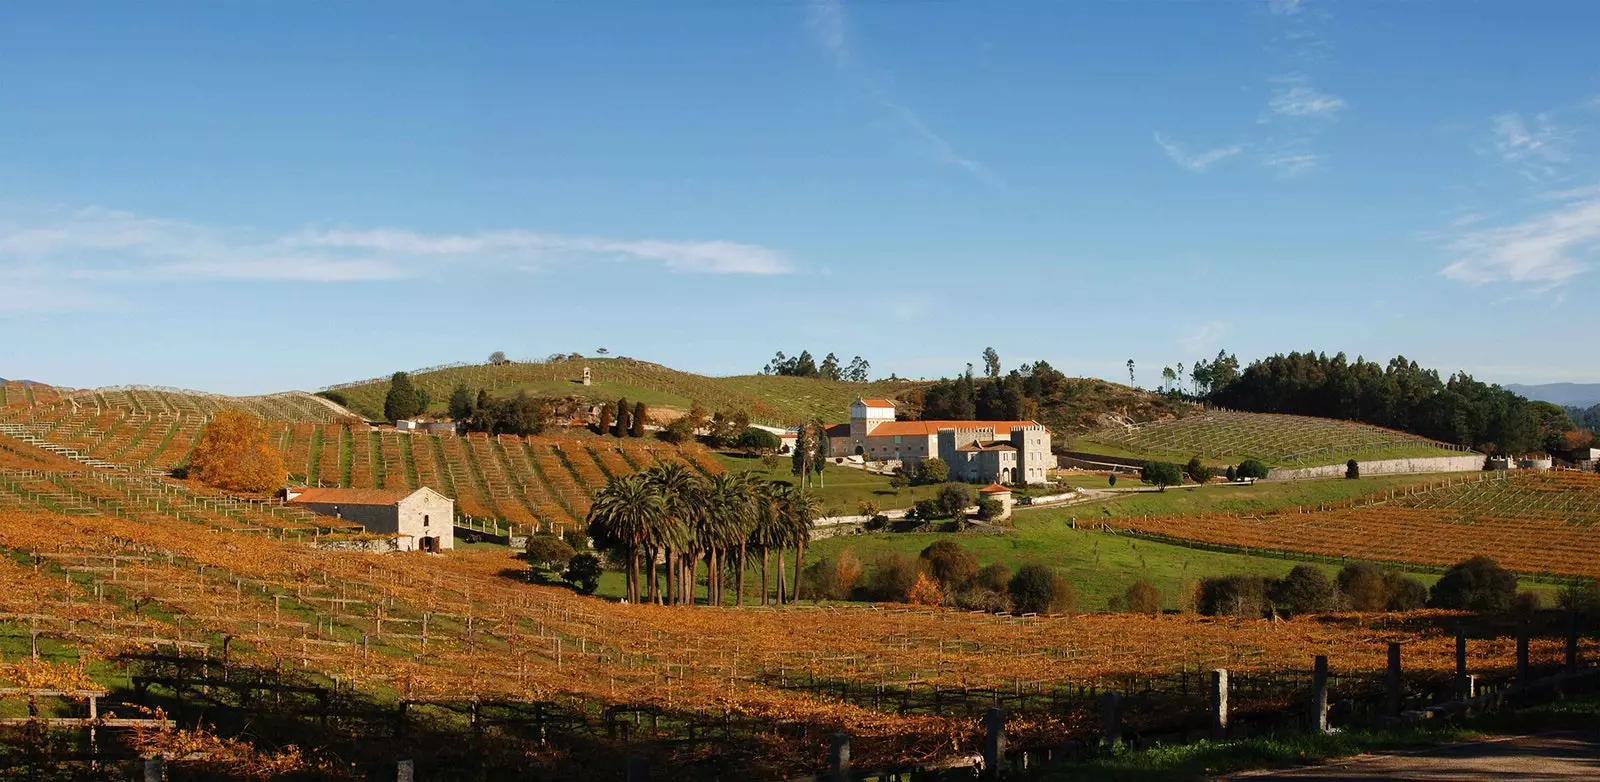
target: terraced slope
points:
(768, 399)
(539, 483)
(1276, 440)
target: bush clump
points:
(1037, 589)
(1476, 584)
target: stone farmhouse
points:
(1014, 452)
(422, 520)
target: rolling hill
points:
(769, 399)
(1276, 440)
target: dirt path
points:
(1542, 758)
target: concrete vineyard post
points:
(994, 742)
(155, 769)
(1111, 717)
(1219, 704)
(1464, 688)
(839, 757)
(1395, 681)
(1319, 695)
(405, 771)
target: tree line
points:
(1399, 395)
(857, 371)
(672, 515)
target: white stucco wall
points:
(1469, 463)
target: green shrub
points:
(954, 499)
(1250, 468)
(952, 566)
(1036, 589)
(1305, 590)
(989, 510)
(547, 551)
(1142, 598)
(1162, 474)
(892, 577)
(995, 577)
(1238, 595)
(1197, 472)
(1476, 584)
(583, 572)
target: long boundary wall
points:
(1470, 463)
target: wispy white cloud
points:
(63, 255)
(1303, 100)
(1538, 149)
(1543, 251)
(1292, 163)
(1198, 162)
(1204, 337)
(830, 27)
(1285, 7)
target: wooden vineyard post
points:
(994, 742)
(1463, 681)
(1319, 695)
(1572, 641)
(1395, 680)
(1219, 704)
(1523, 678)
(839, 757)
(1111, 717)
(155, 769)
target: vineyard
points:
(1536, 523)
(541, 483)
(373, 651)
(769, 399)
(1276, 440)
(137, 427)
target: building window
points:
(424, 521)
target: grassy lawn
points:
(844, 487)
(1222, 498)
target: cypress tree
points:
(605, 418)
(639, 417)
(621, 427)
(402, 401)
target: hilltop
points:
(1071, 404)
(769, 399)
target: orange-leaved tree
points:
(235, 452)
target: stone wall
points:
(1469, 463)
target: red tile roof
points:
(993, 488)
(926, 428)
(349, 496)
(877, 402)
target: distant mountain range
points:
(1564, 394)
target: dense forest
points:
(1400, 395)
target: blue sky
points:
(248, 197)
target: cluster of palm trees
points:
(669, 514)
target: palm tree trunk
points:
(766, 561)
(650, 564)
(780, 575)
(671, 568)
(712, 582)
(738, 599)
(633, 575)
(799, 554)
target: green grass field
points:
(843, 487)
(1219, 498)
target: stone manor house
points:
(1014, 452)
